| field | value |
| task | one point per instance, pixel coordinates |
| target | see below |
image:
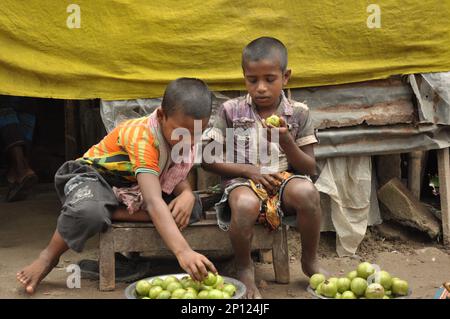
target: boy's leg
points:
(86, 212)
(300, 197)
(32, 275)
(244, 205)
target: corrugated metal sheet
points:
(376, 140)
(432, 91)
(364, 118)
(380, 117)
(380, 102)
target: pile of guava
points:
(363, 283)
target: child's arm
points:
(301, 158)
(181, 206)
(195, 264)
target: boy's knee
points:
(244, 207)
(91, 215)
(306, 197)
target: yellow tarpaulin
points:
(117, 49)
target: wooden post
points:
(106, 263)
(415, 172)
(71, 129)
(444, 190)
(281, 255)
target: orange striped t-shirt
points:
(130, 148)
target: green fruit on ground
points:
(157, 282)
(210, 280)
(364, 270)
(343, 284)
(315, 280)
(358, 286)
(352, 275)
(215, 294)
(338, 296)
(203, 294)
(374, 291)
(167, 281)
(386, 297)
(383, 278)
(178, 293)
(219, 282)
(388, 293)
(229, 289)
(273, 120)
(328, 289)
(394, 279)
(400, 288)
(143, 287)
(348, 295)
(164, 295)
(173, 286)
(155, 291)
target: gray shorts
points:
(224, 212)
(88, 202)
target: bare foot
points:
(247, 276)
(311, 267)
(31, 276)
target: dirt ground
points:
(26, 227)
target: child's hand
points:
(195, 264)
(283, 131)
(269, 181)
(181, 208)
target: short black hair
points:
(265, 48)
(188, 95)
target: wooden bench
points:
(202, 236)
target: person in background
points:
(16, 133)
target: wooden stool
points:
(204, 235)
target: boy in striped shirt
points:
(137, 151)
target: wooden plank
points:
(107, 261)
(444, 190)
(199, 238)
(281, 256)
(150, 225)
